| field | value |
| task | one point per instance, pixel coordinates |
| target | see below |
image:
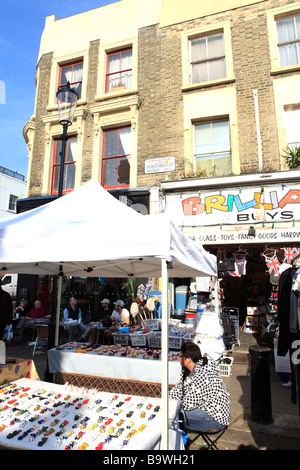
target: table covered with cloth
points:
(101, 362)
(62, 417)
(17, 369)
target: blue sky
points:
(21, 26)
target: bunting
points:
(289, 254)
(273, 265)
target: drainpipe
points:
(260, 163)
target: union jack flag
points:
(273, 265)
(221, 254)
(289, 254)
(231, 273)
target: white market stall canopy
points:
(88, 232)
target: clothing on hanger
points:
(269, 252)
(273, 265)
(240, 264)
(283, 309)
(295, 301)
(296, 261)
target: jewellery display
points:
(117, 351)
(70, 420)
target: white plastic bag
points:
(8, 333)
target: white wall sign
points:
(159, 165)
(222, 237)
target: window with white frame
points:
(119, 70)
(71, 73)
(69, 165)
(12, 205)
(288, 40)
(207, 58)
(116, 157)
(212, 150)
(292, 128)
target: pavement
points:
(243, 433)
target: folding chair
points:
(207, 437)
(210, 437)
(41, 337)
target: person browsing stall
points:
(120, 317)
(120, 314)
(203, 395)
(104, 315)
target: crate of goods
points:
(225, 366)
(189, 337)
(252, 310)
(152, 324)
(175, 342)
(121, 338)
(154, 339)
(138, 339)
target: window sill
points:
(116, 187)
(210, 84)
(287, 69)
(116, 94)
(54, 107)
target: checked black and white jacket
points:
(204, 388)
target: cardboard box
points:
(252, 310)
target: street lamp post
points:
(66, 100)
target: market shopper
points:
(28, 321)
(23, 309)
(204, 398)
(105, 308)
(120, 314)
(104, 315)
(73, 319)
(6, 310)
(120, 317)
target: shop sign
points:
(159, 165)
(276, 203)
(222, 237)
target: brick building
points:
(191, 102)
(164, 97)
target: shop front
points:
(251, 224)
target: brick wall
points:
(160, 118)
(87, 155)
(38, 151)
(251, 60)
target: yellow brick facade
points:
(162, 106)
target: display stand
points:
(231, 315)
(111, 370)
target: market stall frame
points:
(102, 252)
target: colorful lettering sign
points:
(243, 205)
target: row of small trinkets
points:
(47, 432)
